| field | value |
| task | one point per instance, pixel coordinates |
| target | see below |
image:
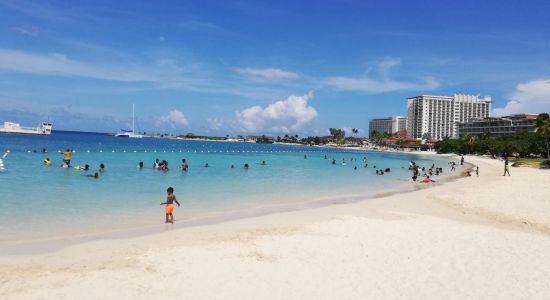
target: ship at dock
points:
(45, 128)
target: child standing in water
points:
(169, 209)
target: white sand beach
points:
(473, 238)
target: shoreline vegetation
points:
(522, 148)
(440, 241)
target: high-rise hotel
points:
(438, 116)
(388, 125)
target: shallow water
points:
(39, 202)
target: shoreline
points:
(435, 240)
(45, 245)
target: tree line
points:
(520, 144)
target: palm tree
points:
(470, 141)
(542, 128)
(379, 139)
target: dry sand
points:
(477, 237)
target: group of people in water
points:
(67, 156)
(162, 165)
(416, 170)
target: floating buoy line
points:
(202, 151)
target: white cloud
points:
(26, 30)
(268, 73)
(215, 123)
(382, 85)
(386, 64)
(365, 84)
(530, 97)
(160, 74)
(282, 116)
(174, 118)
(60, 65)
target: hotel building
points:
(498, 126)
(388, 125)
(438, 116)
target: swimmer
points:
(184, 165)
(67, 157)
(169, 209)
(355, 168)
(263, 163)
(95, 175)
(47, 162)
(156, 164)
(140, 165)
(427, 180)
(206, 165)
(101, 168)
(232, 166)
(305, 156)
(333, 161)
(163, 165)
(246, 166)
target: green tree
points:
(379, 138)
(542, 128)
(337, 134)
(469, 142)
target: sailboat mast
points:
(133, 117)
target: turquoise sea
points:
(49, 202)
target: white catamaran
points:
(43, 129)
(128, 133)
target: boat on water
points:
(128, 133)
(45, 128)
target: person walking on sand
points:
(477, 171)
(169, 208)
(462, 160)
(506, 167)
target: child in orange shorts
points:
(169, 209)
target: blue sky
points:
(245, 67)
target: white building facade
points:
(438, 116)
(388, 125)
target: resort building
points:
(498, 126)
(436, 117)
(388, 125)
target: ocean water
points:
(48, 202)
